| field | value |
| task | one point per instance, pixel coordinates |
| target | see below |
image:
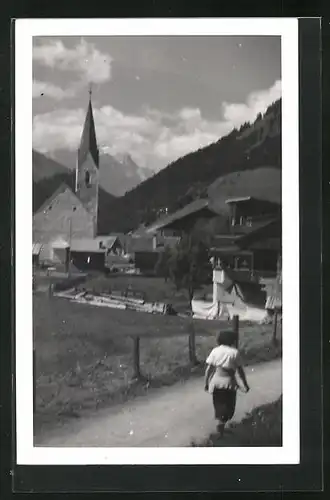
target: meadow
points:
(84, 354)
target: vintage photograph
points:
(157, 241)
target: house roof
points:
(193, 207)
(60, 243)
(86, 245)
(99, 244)
(228, 250)
(108, 241)
(238, 199)
(36, 248)
(88, 142)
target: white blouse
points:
(227, 358)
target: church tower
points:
(87, 169)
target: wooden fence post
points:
(236, 330)
(274, 339)
(192, 345)
(34, 380)
(136, 358)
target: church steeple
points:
(88, 142)
(87, 170)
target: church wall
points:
(88, 194)
(54, 220)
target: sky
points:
(154, 98)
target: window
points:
(87, 179)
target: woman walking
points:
(220, 378)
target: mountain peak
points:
(125, 159)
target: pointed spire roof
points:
(88, 143)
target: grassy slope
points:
(263, 183)
(84, 353)
(262, 427)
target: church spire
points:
(88, 143)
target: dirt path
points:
(171, 417)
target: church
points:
(65, 227)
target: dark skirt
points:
(224, 402)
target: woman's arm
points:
(242, 375)
(208, 373)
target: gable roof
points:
(60, 242)
(36, 248)
(238, 199)
(88, 142)
(100, 244)
(192, 208)
(86, 245)
(108, 241)
(61, 189)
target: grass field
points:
(84, 353)
(262, 427)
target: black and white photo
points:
(158, 164)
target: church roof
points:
(62, 187)
(88, 143)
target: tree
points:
(189, 268)
(162, 264)
(189, 265)
(205, 229)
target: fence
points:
(191, 345)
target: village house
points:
(145, 249)
(251, 240)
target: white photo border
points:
(25, 30)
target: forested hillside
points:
(253, 146)
(44, 167)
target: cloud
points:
(40, 89)
(257, 102)
(154, 139)
(90, 64)
(116, 132)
